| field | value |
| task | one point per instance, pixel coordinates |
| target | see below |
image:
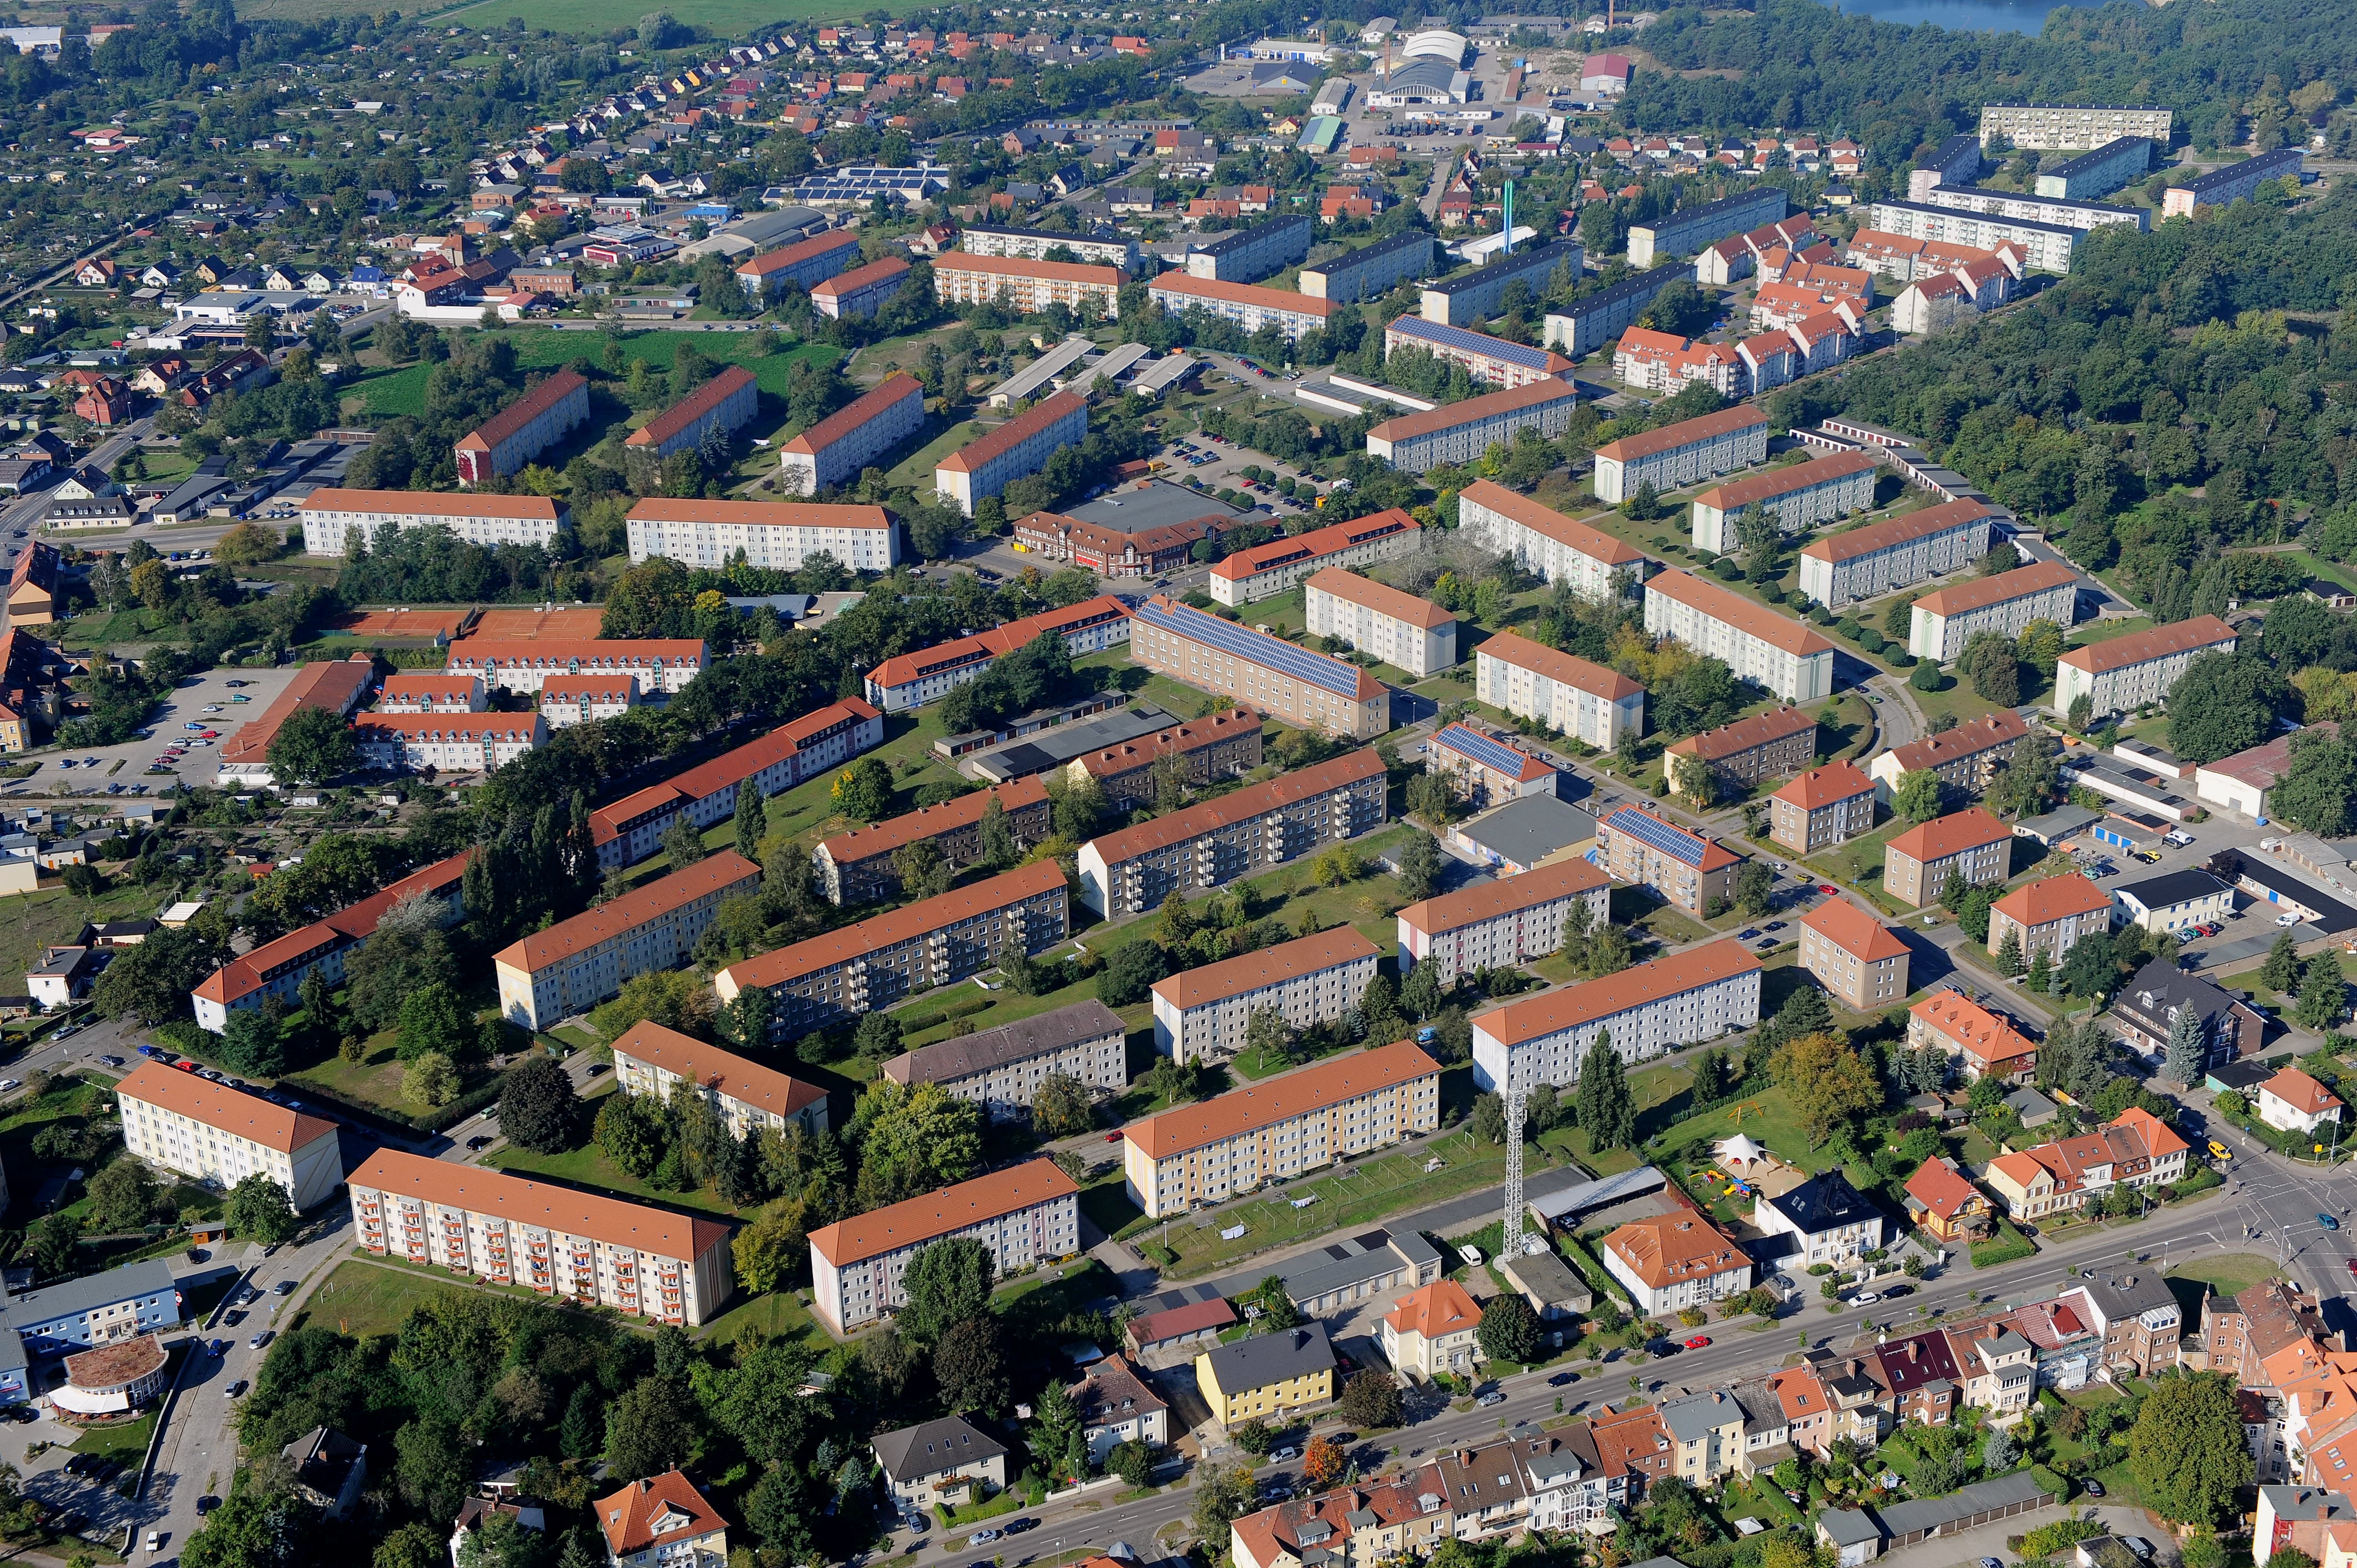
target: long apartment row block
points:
(575, 1246)
(1281, 679)
(1502, 922)
(1772, 651)
(857, 867)
(276, 968)
(1896, 553)
(775, 536)
(632, 828)
(1201, 752)
(1681, 1000)
(1676, 456)
(1210, 845)
(1205, 1153)
(1026, 1216)
(1202, 1015)
(1942, 621)
(652, 1061)
(837, 978)
(1565, 692)
(575, 964)
(909, 681)
(1271, 568)
(1544, 540)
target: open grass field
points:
(587, 1167)
(363, 1297)
(725, 18)
(394, 394)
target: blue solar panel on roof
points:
(1471, 342)
(1655, 834)
(1489, 753)
(1271, 652)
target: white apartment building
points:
(1668, 1263)
(1026, 287)
(1676, 456)
(1264, 571)
(2044, 247)
(1249, 306)
(1502, 922)
(1027, 1215)
(774, 536)
(576, 1246)
(652, 1062)
(333, 518)
(1867, 563)
(1033, 244)
(909, 681)
(1461, 432)
(431, 691)
(662, 663)
(1681, 1000)
(1209, 1152)
(1568, 694)
(2067, 127)
(575, 964)
(982, 468)
(2123, 674)
(1408, 633)
(446, 742)
(1200, 1016)
(569, 700)
(836, 449)
(215, 1134)
(2024, 206)
(1945, 620)
(1544, 540)
(1801, 497)
(1001, 1070)
(1779, 655)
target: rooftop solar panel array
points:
(1655, 834)
(1274, 653)
(1471, 342)
(1494, 755)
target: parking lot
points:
(91, 771)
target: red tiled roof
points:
(1279, 1099)
(941, 1213)
(223, 1108)
(1941, 1187)
(2137, 647)
(1042, 416)
(2019, 583)
(1564, 669)
(1821, 786)
(2041, 903)
(1950, 835)
(730, 380)
(1855, 931)
(1575, 1006)
(1686, 432)
(1745, 734)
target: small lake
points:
(1964, 15)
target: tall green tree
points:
(946, 1282)
(2186, 1449)
(2280, 972)
(2323, 999)
(751, 814)
(1604, 1103)
(2189, 1052)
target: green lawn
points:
(779, 1314)
(915, 470)
(363, 1297)
(396, 392)
(587, 1167)
(2229, 1274)
(723, 18)
(127, 1441)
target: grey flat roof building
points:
(1526, 831)
(1346, 1269)
(1159, 504)
(1058, 745)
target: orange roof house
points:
(1941, 1200)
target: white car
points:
(2286, 920)
(1865, 1298)
(156, 1539)
(11, 1085)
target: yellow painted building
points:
(1269, 1375)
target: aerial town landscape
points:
(1229, 787)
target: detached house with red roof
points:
(663, 1522)
(1943, 1200)
(2293, 1102)
(1668, 1261)
(1431, 1331)
(1983, 1043)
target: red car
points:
(1827, 889)
(209, 735)
(1699, 1342)
(2352, 1265)
(185, 1065)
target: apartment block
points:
(1774, 744)
(2020, 206)
(1404, 632)
(2121, 674)
(1092, 294)
(861, 292)
(1685, 870)
(1597, 565)
(1466, 297)
(1106, 250)
(1945, 620)
(512, 437)
(909, 681)
(856, 970)
(446, 742)
(664, 665)
(2134, 1149)
(276, 968)
(2100, 172)
(1676, 456)
(1668, 1263)
(2234, 182)
(1869, 562)
(1370, 272)
(982, 467)
(774, 536)
(725, 403)
(1821, 808)
(1981, 1043)
(2043, 247)
(1917, 864)
(1774, 653)
(857, 867)
(1200, 1016)
(2065, 127)
(1206, 1153)
(1502, 922)
(1801, 497)
(1132, 870)
(1493, 361)
(1461, 432)
(575, 1246)
(215, 1134)
(1026, 1216)
(652, 1062)
(1223, 744)
(431, 691)
(1588, 323)
(1268, 569)
(1001, 1070)
(835, 450)
(332, 518)
(805, 265)
(1486, 769)
(1253, 251)
(1693, 229)
(1567, 694)
(1966, 757)
(573, 965)
(1267, 1376)
(1649, 1009)
(2050, 916)
(632, 828)
(1251, 307)
(1283, 680)
(1859, 961)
